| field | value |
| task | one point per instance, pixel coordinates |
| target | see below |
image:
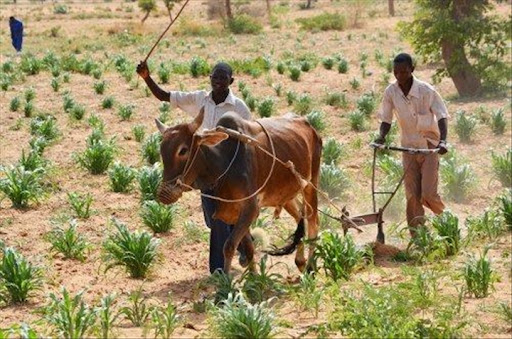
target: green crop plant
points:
(281, 67)
(338, 257)
(332, 152)
(295, 73)
(44, 126)
(55, 84)
(68, 242)
(138, 132)
(238, 318)
(149, 180)
(357, 120)
(29, 94)
(108, 102)
(121, 177)
(502, 168)
(333, 180)
(487, 225)
(165, 111)
(479, 275)
(21, 186)
(125, 112)
(135, 251)
(99, 87)
(137, 312)
(28, 109)
(199, 67)
(458, 178)
(81, 204)
(163, 73)
(106, 315)
(317, 120)
(447, 226)
(465, 126)
(32, 161)
(38, 144)
(260, 285)
(77, 112)
(158, 217)
(69, 316)
(67, 102)
(367, 104)
(165, 320)
(18, 277)
(308, 294)
(355, 84)
(498, 122)
(266, 108)
(151, 148)
(505, 207)
(14, 104)
(328, 62)
(303, 104)
(97, 157)
(343, 66)
(336, 99)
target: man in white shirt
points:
(422, 117)
(216, 102)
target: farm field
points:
(74, 87)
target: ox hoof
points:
(301, 265)
(243, 260)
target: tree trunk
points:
(145, 16)
(228, 10)
(466, 81)
(459, 69)
(269, 9)
(391, 7)
(308, 4)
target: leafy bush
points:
(69, 315)
(316, 119)
(244, 24)
(502, 168)
(333, 180)
(266, 108)
(355, 84)
(21, 186)
(332, 152)
(498, 122)
(165, 110)
(339, 256)
(151, 148)
(18, 277)
(77, 112)
(55, 84)
(68, 242)
(30, 64)
(136, 251)
(458, 179)
(464, 126)
(125, 112)
(447, 226)
(149, 180)
(163, 73)
(328, 62)
(28, 109)
(60, 9)
(238, 318)
(121, 177)
(81, 204)
(281, 67)
(108, 102)
(478, 275)
(67, 102)
(97, 157)
(323, 22)
(159, 218)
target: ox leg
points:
(248, 248)
(241, 230)
(311, 207)
(292, 208)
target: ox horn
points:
(161, 127)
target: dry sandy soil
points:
(182, 270)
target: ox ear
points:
(197, 121)
(212, 138)
(161, 127)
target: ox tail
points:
(289, 248)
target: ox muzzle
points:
(169, 192)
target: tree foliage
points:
(169, 4)
(147, 6)
(470, 40)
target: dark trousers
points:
(219, 233)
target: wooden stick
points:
(162, 35)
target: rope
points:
(169, 26)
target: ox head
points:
(179, 150)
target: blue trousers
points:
(219, 233)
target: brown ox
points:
(235, 170)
